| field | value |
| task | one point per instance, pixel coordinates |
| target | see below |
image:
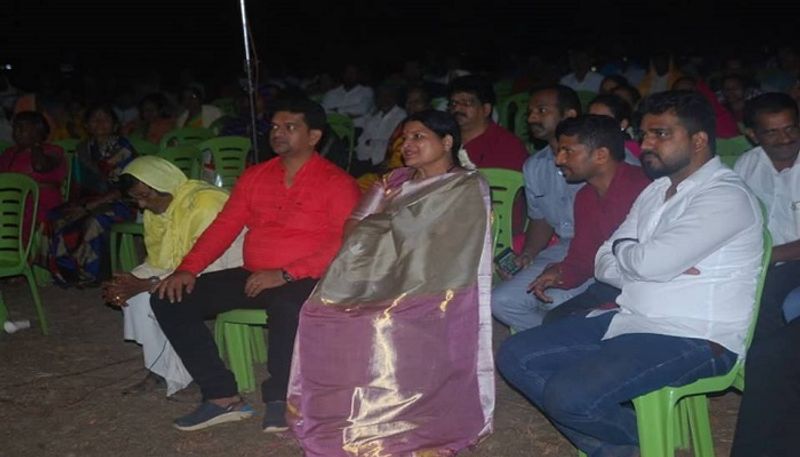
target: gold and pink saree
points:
(393, 353)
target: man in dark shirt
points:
(294, 207)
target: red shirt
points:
(298, 228)
(596, 219)
(496, 147)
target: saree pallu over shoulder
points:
(393, 354)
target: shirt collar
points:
(702, 174)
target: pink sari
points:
(393, 353)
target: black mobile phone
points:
(505, 262)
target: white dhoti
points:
(142, 327)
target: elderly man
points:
(294, 207)
(686, 258)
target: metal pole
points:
(251, 89)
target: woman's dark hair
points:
(36, 119)
(619, 108)
(632, 92)
(105, 108)
(160, 101)
(441, 123)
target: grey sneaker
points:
(275, 417)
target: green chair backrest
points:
(586, 96)
(17, 191)
(503, 89)
(729, 149)
(185, 157)
(184, 136)
(505, 185)
(217, 126)
(143, 147)
(343, 127)
(4, 145)
(513, 115)
(229, 155)
(70, 146)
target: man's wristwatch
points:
(286, 276)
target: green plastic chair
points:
(185, 157)
(229, 156)
(513, 115)
(586, 96)
(503, 89)
(4, 145)
(17, 191)
(123, 248)
(343, 127)
(69, 145)
(185, 136)
(505, 184)
(729, 149)
(239, 335)
(661, 415)
(143, 147)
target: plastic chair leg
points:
(240, 356)
(654, 421)
(681, 426)
(257, 344)
(113, 244)
(36, 300)
(3, 309)
(701, 426)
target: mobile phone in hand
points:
(505, 262)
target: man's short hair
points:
(475, 85)
(595, 131)
(771, 102)
(313, 113)
(691, 108)
(567, 98)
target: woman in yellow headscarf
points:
(176, 212)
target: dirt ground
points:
(60, 395)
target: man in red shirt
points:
(488, 145)
(294, 207)
(591, 148)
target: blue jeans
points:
(583, 383)
(791, 306)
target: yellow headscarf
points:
(169, 236)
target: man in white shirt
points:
(582, 77)
(349, 98)
(687, 260)
(379, 126)
(773, 173)
(767, 423)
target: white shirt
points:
(378, 128)
(713, 223)
(591, 82)
(776, 189)
(356, 102)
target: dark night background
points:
(127, 38)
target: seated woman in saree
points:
(78, 231)
(393, 352)
(32, 156)
(176, 212)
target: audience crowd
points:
(639, 239)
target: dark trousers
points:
(781, 279)
(221, 291)
(769, 422)
(595, 295)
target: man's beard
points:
(661, 168)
